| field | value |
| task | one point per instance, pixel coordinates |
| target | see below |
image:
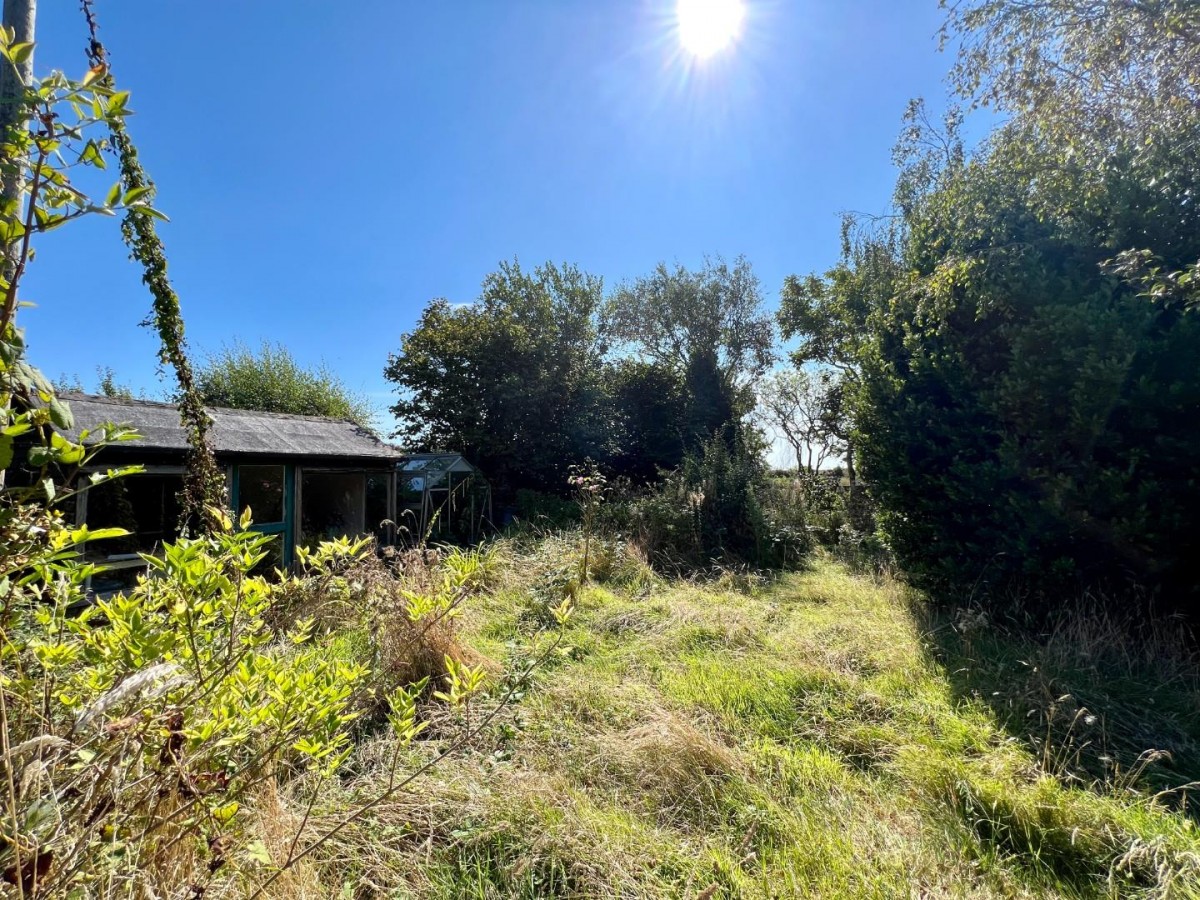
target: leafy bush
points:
(270, 379)
(138, 729)
(1027, 418)
(1023, 336)
(712, 510)
(142, 733)
(841, 518)
(543, 510)
(402, 608)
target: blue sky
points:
(329, 167)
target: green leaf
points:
(6, 451)
(66, 452)
(91, 156)
(114, 194)
(116, 103)
(60, 414)
(135, 194)
(150, 211)
(82, 535)
(20, 53)
(257, 851)
(224, 813)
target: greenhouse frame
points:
(442, 496)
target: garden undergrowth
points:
(819, 734)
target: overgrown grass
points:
(820, 735)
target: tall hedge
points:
(1028, 417)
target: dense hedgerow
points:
(1024, 335)
(1027, 417)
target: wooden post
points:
(19, 16)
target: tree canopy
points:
(708, 326)
(673, 315)
(542, 372)
(272, 380)
(512, 380)
(1023, 349)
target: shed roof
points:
(235, 431)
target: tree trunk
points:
(850, 463)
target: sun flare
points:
(706, 26)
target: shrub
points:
(270, 379)
(546, 511)
(841, 518)
(138, 729)
(404, 607)
(1027, 419)
(712, 510)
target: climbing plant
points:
(203, 485)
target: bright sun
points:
(706, 26)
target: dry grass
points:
(665, 765)
(812, 737)
(277, 825)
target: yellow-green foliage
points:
(138, 732)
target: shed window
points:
(261, 489)
(377, 506)
(147, 506)
(332, 505)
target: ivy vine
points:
(204, 485)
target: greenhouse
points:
(442, 496)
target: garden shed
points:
(443, 496)
(304, 478)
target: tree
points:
(829, 316)
(106, 384)
(1105, 76)
(802, 407)
(649, 411)
(271, 380)
(707, 326)
(1103, 95)
(1021, 335)
(1025, 390)
(514, 380)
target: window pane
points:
(147, 506)
(261, 489)
(377, 505)
(332, 506)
